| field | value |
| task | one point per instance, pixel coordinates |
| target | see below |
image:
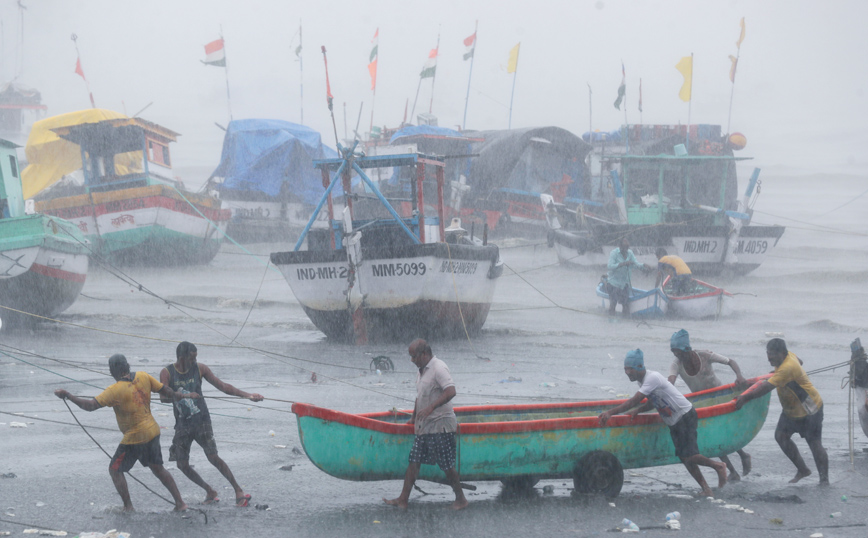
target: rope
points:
(131, 476)
(23, 524)
(253, 304)
(458, 302)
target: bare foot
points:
(399, 502)
(128, 509)
(210, 497)
(459, 504)
(721, 474)
(800, 475)
(733, 477)
(824, 482)
(745, 463)
(705, 492)
(180, 507)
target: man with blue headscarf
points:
(676, 412)
(696, 369)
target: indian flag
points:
(214, 54)
(430, 67)
(372, 66)
(470, 43)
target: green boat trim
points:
(509, 442)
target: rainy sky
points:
(800, 92)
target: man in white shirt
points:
(434, 423)
(675, 411)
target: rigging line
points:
(844, 204)
(19, 415)
(253, 304)
(458, 301)
(61, 361)
(24, 524)
(131, 476)
(829, 228)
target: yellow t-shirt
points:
(676, 263)
(798, 396)
(131, 402)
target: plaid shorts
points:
(431, 448)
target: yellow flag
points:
(685, 66)
(741, 36)
(512, 65)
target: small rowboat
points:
(520, 444)
(642, 303)
(697, 300)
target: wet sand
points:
(813, 290)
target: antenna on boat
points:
(329, 98)
(356, 134)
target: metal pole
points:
(434, 78)
(300, 73)
(689, 106)
(412, 112)
(226, 70)
(512, 95)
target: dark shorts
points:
(618, 295)
(434, 448)
(183, 440)
(809, 427)
(127, 455)
(684, 435)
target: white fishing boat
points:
(390, 272)
(697, 300)
(651, 303)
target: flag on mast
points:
(470, 43)
(512, 64)
(685, 67)
(372, 66)
(214, 54)
(430, 67)
(741, 35)
(78, 70)
(622, 89)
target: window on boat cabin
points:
(13, 164)
(158, 153)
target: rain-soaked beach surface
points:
(813, 291)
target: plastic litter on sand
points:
(673, 524)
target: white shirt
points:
(431, 382)
(669, 402)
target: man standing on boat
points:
(130, 397)
(675, 268)
(802, 409)
(434, 423)
(675, 410)
(618, 285)
(193, 421)
(696, 369)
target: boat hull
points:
(642, 303)
(511, 441)
(702, 248)
(703, 301)
(431, 289)
(151, 225)
(43, 267)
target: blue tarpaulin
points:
(429, 131)
(260, 156)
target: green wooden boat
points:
(520, 444)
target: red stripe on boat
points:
(53, 272)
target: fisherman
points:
(434, 424)
(675, 410)
(696, 369)
(860, 385)
(674, 267)
(802, 409)
(618, 285)
(130, 397)
(193, 421)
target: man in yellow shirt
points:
(130, 397)
(674, 267)
(802, 409)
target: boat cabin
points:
(122, 153)
(413, 219)
(11, 197)
(663, 189)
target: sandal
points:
(243, 502)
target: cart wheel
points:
(598, 472)
(382, 363)
(518, 483)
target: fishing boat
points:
(520, 444)
(267, 179)
(130, 206)
(43, 259)
(697, 300)
(653, 303)
(681, 199)
(390, 269)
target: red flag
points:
(78, 70)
